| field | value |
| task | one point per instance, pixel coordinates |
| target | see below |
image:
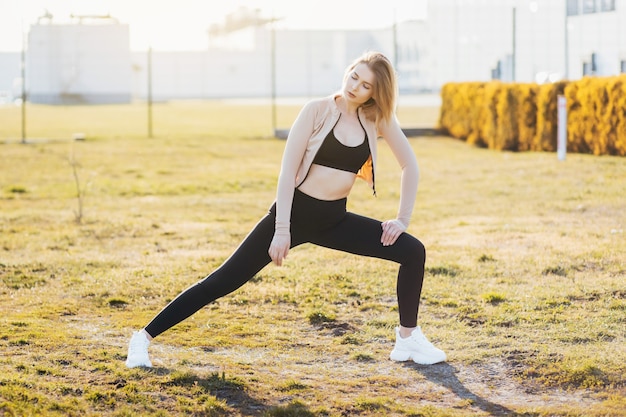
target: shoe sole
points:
(403, 356)
(139, 365)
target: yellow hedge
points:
(523, 117)
(547, 118)
(596, 115)
(526, 100)
(487, 115)
(459, 110)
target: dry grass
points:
(524, 288)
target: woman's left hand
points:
(392, 229)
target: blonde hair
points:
(382, 104)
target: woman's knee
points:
(415, 251)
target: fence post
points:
(561, 139)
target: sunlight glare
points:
(184, 24)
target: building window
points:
(572, 7)
(608, 5)
(589, 6)
(591, 67)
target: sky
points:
(182, 24)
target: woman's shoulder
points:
(327, 102)
(320, 107)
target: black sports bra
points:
(335, 154)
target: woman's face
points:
(359, 85)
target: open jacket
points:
(315, 121)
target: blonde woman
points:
(331, 143)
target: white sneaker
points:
(138, 351)
(416, 347)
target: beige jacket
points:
(315, 121)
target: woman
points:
(331, 143)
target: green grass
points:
(524, 285)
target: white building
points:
(304, 63)
(79, 63)
(10, 86)
(459, 40)
(527, 40)
(596, 44)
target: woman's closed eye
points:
(356, 78)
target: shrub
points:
(523, 117)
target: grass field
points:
(525, 285)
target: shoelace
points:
(137, 346)
(421, 339)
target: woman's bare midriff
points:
(325, 183)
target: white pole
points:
(561, 139)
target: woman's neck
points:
(346, 107)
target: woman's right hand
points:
(279, 248)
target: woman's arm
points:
(399, 144)
(295, 148)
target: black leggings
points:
(324, 223)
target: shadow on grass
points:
(230, 390)
(444, 374)
(233, 392)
